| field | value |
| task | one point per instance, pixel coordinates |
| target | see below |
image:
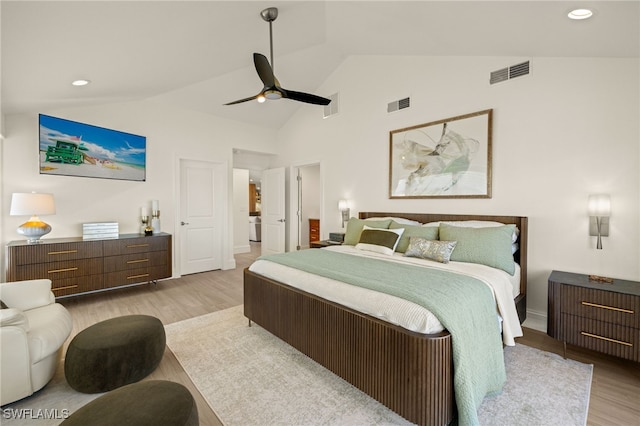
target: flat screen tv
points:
(70, 148)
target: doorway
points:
(201, 216)
(306, 201)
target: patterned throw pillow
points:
(437, 250)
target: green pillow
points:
(354, 229)
(426, 232)
(486, 246)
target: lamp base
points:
(34, 229)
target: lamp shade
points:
(343, 205)
(599, 205)
(30, 204)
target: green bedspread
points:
(464, 306)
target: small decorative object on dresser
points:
(603, 315)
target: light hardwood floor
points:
(615, 391)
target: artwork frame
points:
(460, 167)
(71, 148)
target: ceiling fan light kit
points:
(272, 89)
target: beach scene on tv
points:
(70, 148)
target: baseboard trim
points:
(536, 320)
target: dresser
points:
(314, 230)
(76, 266)
(596, 315)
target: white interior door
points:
(200, 216)
(273, 211)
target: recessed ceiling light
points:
(580, 14)
(80, 82)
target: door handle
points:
(281, 220)
(183, 223)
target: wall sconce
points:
(599, 212)
(32, 204)
(343, 206)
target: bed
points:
(408, 371)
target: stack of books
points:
(99, 231)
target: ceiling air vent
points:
(508, 73)
(332, 108)
(399, 104)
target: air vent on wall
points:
(399, 104)
(332, 108)
(508, 73)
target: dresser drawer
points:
(602, 336)
(135, 261)
(135, 245)
(617, 308)
(57, 270)
(137, 275)
(75, 285)
(30, 254)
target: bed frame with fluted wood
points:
(411, 373)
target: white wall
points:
(171, 134)
(569, 129)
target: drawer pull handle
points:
(62, 252)
(137, 261)
(137, 245)
(53, 271)
(64, 288)
(137, 276)
(595, 305)
(595, 336)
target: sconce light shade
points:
(32, 204)
(599, 208)
(599, 205)
(343, 206)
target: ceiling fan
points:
(272, 88)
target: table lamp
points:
(32, 204)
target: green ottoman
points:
(114, 353)
(148, 403)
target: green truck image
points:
(65, 152)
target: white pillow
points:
(379, 240)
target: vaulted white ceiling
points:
(198, 54)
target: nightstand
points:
(324, 243)
(602, 316)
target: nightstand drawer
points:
(617, 308)
(602, 336)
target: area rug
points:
(250, 377)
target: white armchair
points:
(33, 329)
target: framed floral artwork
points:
(448, 158)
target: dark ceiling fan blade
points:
(239, 101)
(265, 72)
(305, 97)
